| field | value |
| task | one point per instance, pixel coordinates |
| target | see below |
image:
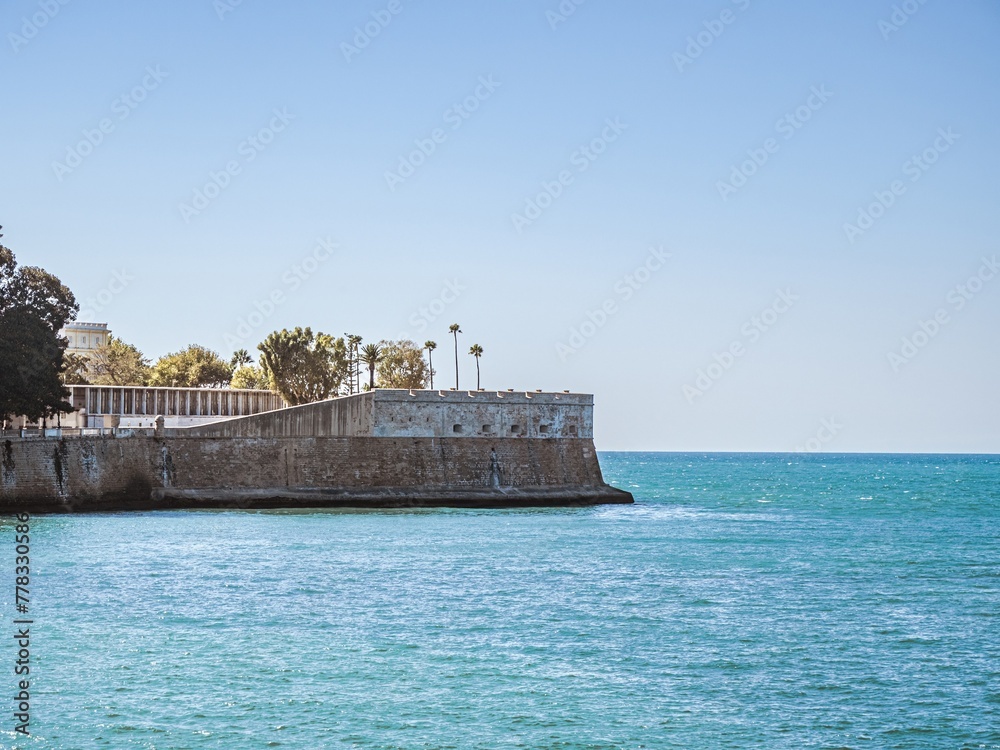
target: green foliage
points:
(476, 351)
(30, 365)
(371, 355)
(301, 367)
(35, 291)
(194, 367)
(402, 365)
(249, 376)
(245, 373)
(118, 363)
(76, 369)
(240, 358)
(353, 344)
(34, 306)
(430, 346)
(454, 329)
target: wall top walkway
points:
(451, 396)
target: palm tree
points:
(476, 351)
(455, 330)
(240, 358)
(371, 355)
(430, 346)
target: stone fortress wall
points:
(378, 449)
(421, 414)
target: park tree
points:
(402, 365)
(118, 363)
(194, 367)
(34, 306)
(302, 367)
(76, 369)
(455, 330)
(430, 346)
(371, 355)
(476, 351)
(240, 358)
(353, 362)
(249, 376)
(245, 373)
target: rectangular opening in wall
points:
(515, 429)
(543, 428)
(457, 429)
(487, 429)
(572, 430)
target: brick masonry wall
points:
(91, 472)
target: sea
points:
(744, 601)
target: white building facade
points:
(84, 338)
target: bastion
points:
(381, 449)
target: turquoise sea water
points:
(772, 601)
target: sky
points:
(742, 225)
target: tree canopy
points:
(371, 355)
(194, 367)
(302, 367)
(240, 358)
(76, 369)
(402, 365)
(118, 363)
(34, 306)
(249, 376)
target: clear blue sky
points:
(865, 92)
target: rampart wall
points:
(386, 448)
(135, 473)
(420, 414)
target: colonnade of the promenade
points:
(129, 401)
